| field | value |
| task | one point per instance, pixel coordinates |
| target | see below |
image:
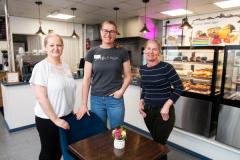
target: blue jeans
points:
(109, 108)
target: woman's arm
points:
(85, 89)
(126, 79)
(176, 82)
(42, 98)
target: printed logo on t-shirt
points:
(105, 58)
(97, 56)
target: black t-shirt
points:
(107, 69)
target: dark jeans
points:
(158, 128)
(49, 138)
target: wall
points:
(131, 28)
(3, 45)
(28, 26)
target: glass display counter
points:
(200, 69)
(228, 129)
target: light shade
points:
(185, 24)
(40, 32)
(144, 29)
(74, 34)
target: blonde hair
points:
(153, 41)
(52, 35)
(108, 22)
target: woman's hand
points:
(141, 108)
(165, 113)
(61, 123)
(83, 109)
(117, 94)
(165, 109)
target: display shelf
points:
(188, 63)
(197, 66)
(230, 84)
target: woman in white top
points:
(54, 89)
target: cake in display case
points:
(200, 69)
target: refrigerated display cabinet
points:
(200, 69)
(228, 129)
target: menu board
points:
(2, 29)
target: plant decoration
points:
(119, 133)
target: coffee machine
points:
(4, 60)
(27, 63)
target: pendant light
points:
(116, 18)
(185, 23)
(145, 29)
(40, 31)
(74, 34)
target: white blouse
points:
(61, 87)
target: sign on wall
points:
(219, 30)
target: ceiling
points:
(95, 11)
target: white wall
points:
(28, 26)
(131, 27)
(20, 25)
(3, 45)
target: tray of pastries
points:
(202, 73)
(197, 88)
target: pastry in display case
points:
(195, 67)
(200, 69)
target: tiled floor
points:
(25, 145)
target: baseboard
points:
(18, 128)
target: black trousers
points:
(49, 138)
(158, 128)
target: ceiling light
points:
(116, 19)
(145, 29)
(58, 15)
(40, 31)
(74, 34)
(185, 23)
(228, 4)
(177, 12)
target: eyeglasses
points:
(112, 32)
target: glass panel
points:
(219, 71)
(232, 77)
(194, 66)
